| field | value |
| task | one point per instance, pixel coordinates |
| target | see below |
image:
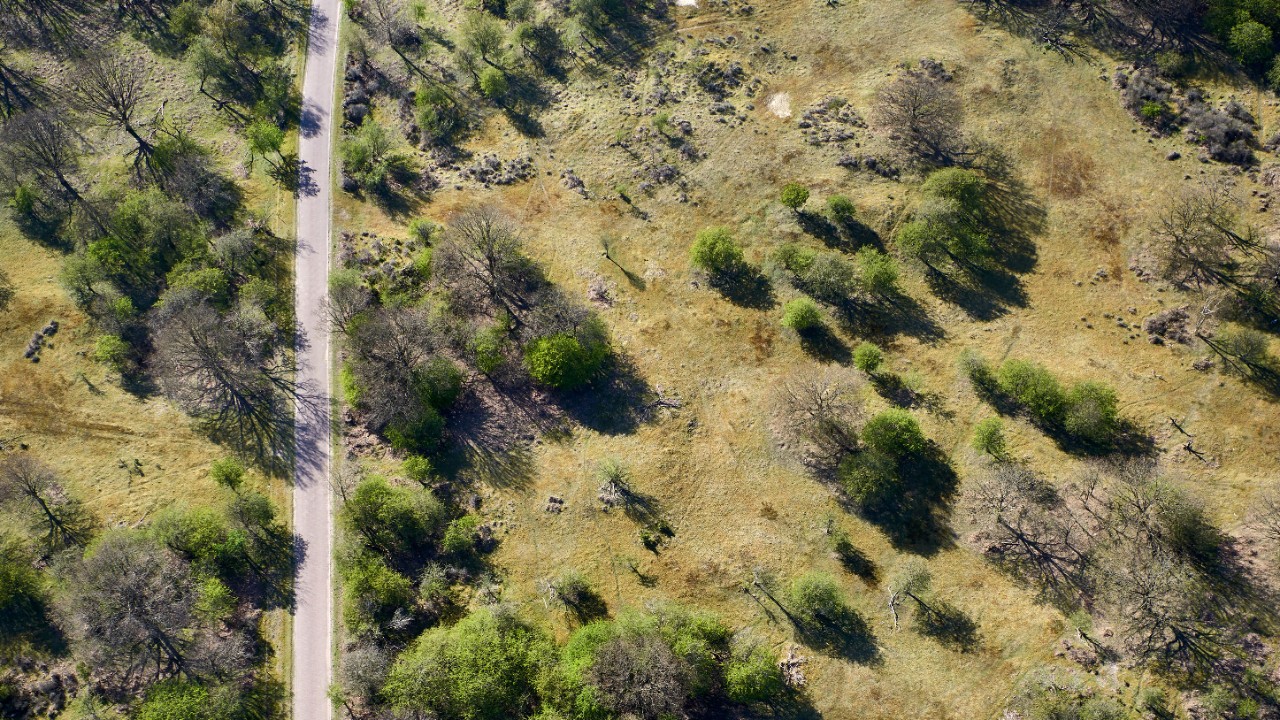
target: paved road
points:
(312, 499)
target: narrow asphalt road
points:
(312, 496)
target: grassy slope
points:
(66, 407)
(734, 500)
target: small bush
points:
(752, 675)
(877, 272)
(894, 433)
(488, 348)
(830, 278)
(794, 196)
(422, 230)
(978, 370)
(988, 438)
(112, 351)
(418, 469)
(228, 473)
(868, 357)
(421, 434)
(494, 84)
(795, 258)
(1033, 387)
(801, 315)
(1091, 412)
(842, 209)
(816, 598)
(716, 253)
(870, 479)
(460, 537)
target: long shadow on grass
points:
(949, 625)
(917, 519)
(846, 236)
(615, 403)
(746, 287)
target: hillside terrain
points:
(696, 359)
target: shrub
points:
(795, 258)
(418, 469)
(894, 433)
(460, 537)
(1091, 412)
(877, 271)
(716, 253)
(978, 370)
(488, 348)
(227, 472)
(965, 187)
(1034, 387)
(1225, 137)
(398, 522)
(186, 700)
(371, 159)
(421, 433)
(562, 361)
(870, 479)
(988, 438)
(801, 315)
(213, 283)
(494, 84)
(112, 351)
(842, 209)
(438, 383)
(350, 388)
(830, 278)
(1173, 64)
(815, 598)
(868, 357)
(438, 116)
(422, 230)
(1251, 42)
(752, 675)
(794, 196)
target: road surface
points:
(312, 499)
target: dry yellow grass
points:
(734, 499)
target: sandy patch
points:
(780, 105)
(687, 3)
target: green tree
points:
(716, 252)
(563, 361)
(112, 351)
(815, 598)
(265, 138)
(1251, 41)
(752, 675)
(397, 522)
(794, 196)
(483, 668)
(372, 159)
(894, 433)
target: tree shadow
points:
(845, 634)
(949, 625)
(917, 519)
(587, 606)
(615, 403)
(821, 343)
(892, 315)
(745, 286)
(857, 562)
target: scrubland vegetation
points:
(147, 184)
(949, 392)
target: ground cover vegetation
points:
(810, 431)
(164, 265)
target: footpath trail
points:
(312, 498)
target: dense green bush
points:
(372, 159)
(115, 353)
(716, 252)
(1091, 413)
(187, 700)
(870, 479)
(752, 675)
(877, 272)
(1251, 41)
(460, 537)
(815, 598)
(563, 361)
(894, 433)
(842, 209)
(801, 315)
(868, 357)
(988, 438)
(794, 196)
(486, 667)
(494, 84)
(373, 594)
(397, 522)
(1033, 387)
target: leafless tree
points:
(923, 113)
(41, 144)
(1200, 239)
(130, 606)
(226, 370)
(481, 259)
(387, 349)
(25, 481)
(821, 413)
(1024, 525)
(113, 88)
(638, 676)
